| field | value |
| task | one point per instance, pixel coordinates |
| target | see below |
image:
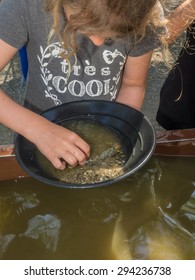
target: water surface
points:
(150, 215)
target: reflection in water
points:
(47, 228)
(100, 210)
(158, 240)
(4, 242)
(150, 215)
(187, 213)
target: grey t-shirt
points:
(96, 72)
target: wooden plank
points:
(9, 167)
(179, 143)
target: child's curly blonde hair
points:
(107, 18)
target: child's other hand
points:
(60, 145)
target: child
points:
(77, 50)
(177, 96)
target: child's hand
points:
(56, 143)
(60, 145)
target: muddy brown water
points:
(150, 215)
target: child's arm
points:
(54, 141)
(134, 81)
(180, 19)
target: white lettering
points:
(65, 66)
(105, 71)
(106, 87)
(76, 88)
(90, 70)
(60, 84)
(94, 84)
(76, 69)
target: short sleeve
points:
(13, 29)
(151, 40)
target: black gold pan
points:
(134, 130)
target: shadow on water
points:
(149, 215)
